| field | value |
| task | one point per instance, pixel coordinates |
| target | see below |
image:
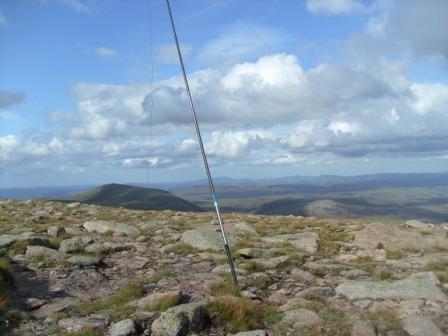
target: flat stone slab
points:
(154, 298)
(107, 226)
(305, 242)
(43, 252)
(74, 324)
(417, 286)
(204, 239)
(84, 260)
(421, 326)
(393, 236)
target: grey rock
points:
(203, 239)
(123, 328)
(421, 326)
(107, 226)
(416, 224)
(84, 260)
(299, 318)
(225, 269)
(73, 205)
(252, 333)
(179, 320)
(305, 242)
(251, 252)
(245, 228)
(7, 240)
(33, 303)
(272, 263)
(73, 324)
(362, 328)
(302, 275)
(153, 298)
(417, 286)
(42, 251)
(70, 245)
(55, 231)
(392, 236)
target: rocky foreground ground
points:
(73, 269)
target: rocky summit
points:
(79, 269)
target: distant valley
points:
(391, 196)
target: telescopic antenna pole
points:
(204, 156)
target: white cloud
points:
(167, 53)
(235, 144)
(271, 111)
(333, 7)
(341, 127)
(3, 20)
(106, 53)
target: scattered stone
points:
(7, 240)
(74, 324)
(70, 245)
(123, 328)
(180, 320)
(362, 328)
(55, 231)
(305, 242)
(245, 228)
(84, 260)
(33, 303)
(302, 275)
(421, 326)
(416, 286)
(151, 299)
(225, 269)
(252, 333)
(43, 252)
(107, 226)
(251, 252)
(299, 318)
(74, 205)
(392, 236)
(354, 274)
(416, 224)
(272, 263)
(203, 239)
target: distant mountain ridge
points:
(132, 197)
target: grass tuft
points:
(241, 314)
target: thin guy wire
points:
(204, 157)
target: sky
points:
(91, 90)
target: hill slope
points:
(131, 197)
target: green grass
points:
(336, 322)
(254, 266)
(115, 305)
(162, 304)
(19, 247)
(383, 273)
(159, 275)
(386, 321)
(242, 314)
(224, 287)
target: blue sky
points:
(282, 88)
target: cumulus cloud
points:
(106, 53)
(333, 7)
(11, 98)
(270, 111)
